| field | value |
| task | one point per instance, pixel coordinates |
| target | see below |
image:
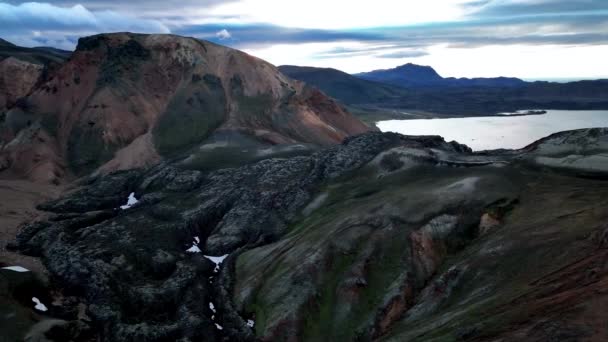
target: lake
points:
(486, 133)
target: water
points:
(486, 133)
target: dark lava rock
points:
(338, 229)
(131, 266)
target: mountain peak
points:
(404, 75)
(421, 72)
(128, 100)
(409, 75)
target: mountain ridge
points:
(410, 74)
(423, 101)
(129, 100)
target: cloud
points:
(361, 36)
(403, 54)
(31, 23)
(261, 35)
(341, 14)
(531, 8)
(223, 34)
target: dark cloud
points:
(403, 54)
(501, 8)
(34, 24)
(489, 22)
(137, 6)
(260, 35)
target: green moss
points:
(319, 322)
(191, 116)
(87, 150)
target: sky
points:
(530, 39)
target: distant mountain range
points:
(36, 55)
(345, 87)
(421, 91)
(419, 75)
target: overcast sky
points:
(532, 39)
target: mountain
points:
(343, 86)
(479, 98)
(405, 75)
(17, 79)
(409, 75)
(130, 100)
(384, 237)
(36, 55)
(23, 68)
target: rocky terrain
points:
(125, 100)
(384, 237)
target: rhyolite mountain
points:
(382, 238)
(131, 100)
(433, 96)
(410, 74)
(35, 55)
(21, 69)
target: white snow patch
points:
(211, 306)
(217, 260)
(131, 201)
(39, 305)
(250, 323)
(16, 268)
(219, 327)
(194, 248)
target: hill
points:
(36, 55)
(409, 75)
(343, 86)
(23, 68)
(130, 100)
(384, 237)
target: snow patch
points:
(219, 327)
(194, 248)
(39, 305)
(16, 268)
(131, 201)
(217, 260)
(212, 307)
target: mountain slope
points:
(22, 68)
(17, 78)
(382, 238)
(36, 55)
(409, 75)
(129, 100)
(343, 86)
